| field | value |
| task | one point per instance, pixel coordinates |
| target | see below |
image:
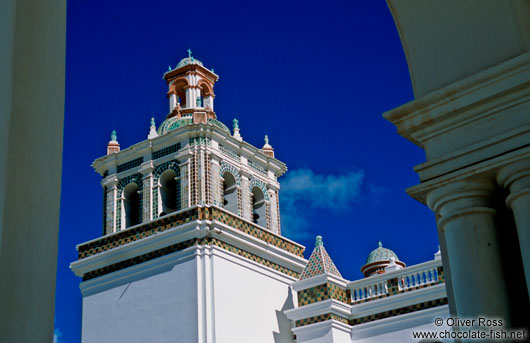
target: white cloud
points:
(57, 336)
(302, 191)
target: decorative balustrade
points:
(229, 152)
(391, 283)
(257, 167)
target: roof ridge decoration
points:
(319, 262)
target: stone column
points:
(172, 101)
(470, 248)
(516, 178)
(185, 183)
(112, 189)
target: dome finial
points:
(189, 53)
(318, 242)
(235, 123)
(380, 244)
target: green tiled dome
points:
(188, 60)
(381, 254)
(173, 123)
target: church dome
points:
(188, 60)
(379, 259)
(174, 123)
(381, 254)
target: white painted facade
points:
(199, 294)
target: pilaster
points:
(111, 185)
(274, 211)
(216, 182)
(147, 177)
(246, 208)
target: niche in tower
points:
(229, 193)
(131, 205)
(169, 191)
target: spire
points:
(267, 148)
(152, 131)
(235, 125)
(113, 145)
(319, 262)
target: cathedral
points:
(192, 248)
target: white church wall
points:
(249, 301)
(330, 331)
(160, 306)
(399, 329)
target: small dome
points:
(188, 60)
(381, 254)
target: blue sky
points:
(316, 78)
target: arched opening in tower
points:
(169, 191)
(258, 207)
(179, 88)
(229, 193)
(131, 205)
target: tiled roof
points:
(319, 262)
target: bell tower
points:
(192, 247)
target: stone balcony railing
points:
(418, 276)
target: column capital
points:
(516, 178)
(451, 198)
(146, 169)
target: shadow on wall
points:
(284, 327)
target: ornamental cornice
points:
(191, 69)
(110, 182)
(318, 308)
(419, 119)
